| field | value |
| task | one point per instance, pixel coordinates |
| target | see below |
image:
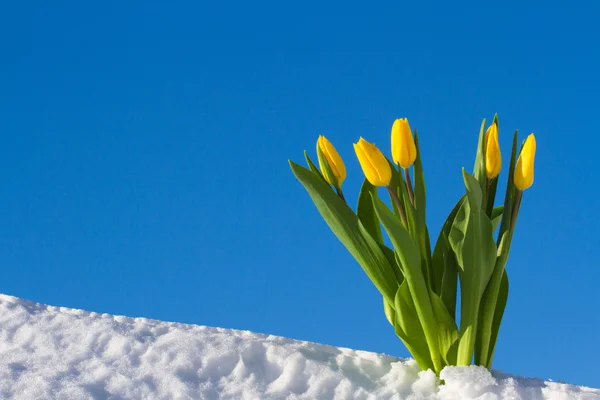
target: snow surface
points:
(60, 353)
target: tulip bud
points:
(524, 170)
(331, 164)
(493, 159)
(404, 151)
(374, 164)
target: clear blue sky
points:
(143, 159)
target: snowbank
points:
(59, 353)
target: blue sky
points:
(144, 159)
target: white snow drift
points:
(59, 353)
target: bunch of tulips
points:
(419, 285)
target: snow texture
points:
(59, 353)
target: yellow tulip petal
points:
(374, 164)
(404, 151)
(493, 158)
(334, 161)
(523, 177)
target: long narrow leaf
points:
(393, 260)
(366, 213)
(313, 167)
(486, 334)
(509, 197)
(447, 330)
(479, 169)
(449, 291)
(390, 312)
(420, 214)
(496, 216)
(489, 322)
(443, 263)
(349, 230)
(498, 314)
(408, 253)
(471, 238)
(409, 329)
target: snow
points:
(60, 353)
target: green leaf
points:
(409, 330)
(450, 281)
(471, 238)
(496, 217)
(349, 230)
(420, 218)
(474, 193)
(479, 169)
(366, 213)
(492, 310)
(312, 166)
(393, 260)
(390, 312)
(487, 333)
(419, 176)
(444, 267)
(410, 210)
(408, 254)
(397, 183)
(498, 314)
(509, 204)
(489, 322)
(447, 330)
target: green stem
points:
(399, 205)
(515, 213)
(488, 183)
(409, 188)
(490, 195)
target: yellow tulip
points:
(374, 164)
(404, 151)
(493, 159)
(524, 170)
(335, 170)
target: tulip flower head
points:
(331, 164)
(404, 151)
(493, 159)
(374, 164)
(524, 170)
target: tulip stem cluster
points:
(419, 283)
